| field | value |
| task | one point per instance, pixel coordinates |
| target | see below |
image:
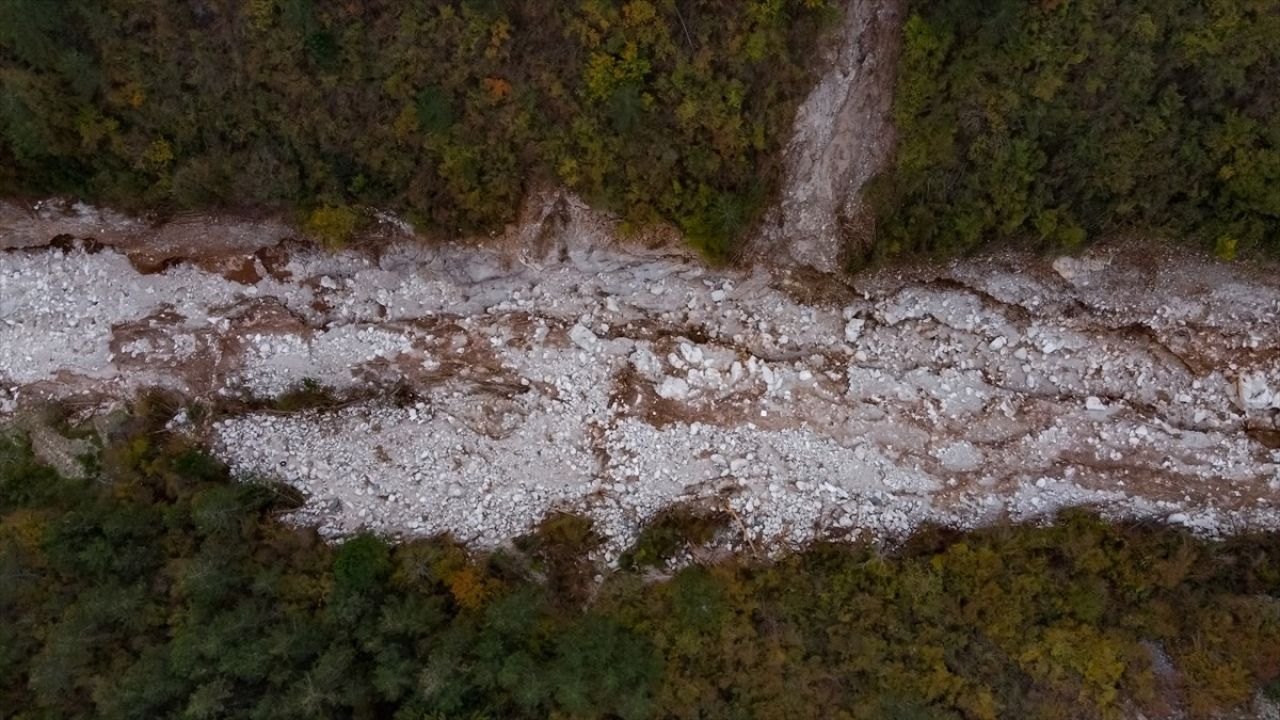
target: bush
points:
(332, 226)
(309, 395)
(673, 529)
(362, 563)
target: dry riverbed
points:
(562, 370)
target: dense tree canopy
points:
(1038, 123)
(1046, 123)
(444, 109)
(157, 587)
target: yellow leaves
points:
(1214, 680)
(597, 14)
(641, 23)
(1047, 85)
(406, 122)
(568, 172)
(1145, 28)
(499, 35)
(131, 94)
(588, 36)
(1226, 247)
(591, 23)
(260, 13)
(756, 46)
(158, 155)
(599, 75)
(94, 128)
(687, 113)
(606, 72)
(333, 226)
(765, 11)
(631, 65)
(1072, 655)
(638, 13)
(25, 527)
(978, 702)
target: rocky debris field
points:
(841, 138)
(479, 389)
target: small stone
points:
(582, 336)
(672, 388)
(1253, 393)
(853, 330)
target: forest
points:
(1036, 124)
(158, 586)
(1047, 124)
(447, 111)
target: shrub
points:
(362, 563)
(332, 226)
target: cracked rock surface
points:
(616, 381)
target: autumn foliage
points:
(447, 111)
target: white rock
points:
(1072, 268)
(853, 330)
(583, 337)
(1253, 392)
(692, 354)
(673, 388)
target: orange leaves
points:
(496, 88)
(470, 588)
(131, 94)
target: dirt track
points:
(616, 380)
